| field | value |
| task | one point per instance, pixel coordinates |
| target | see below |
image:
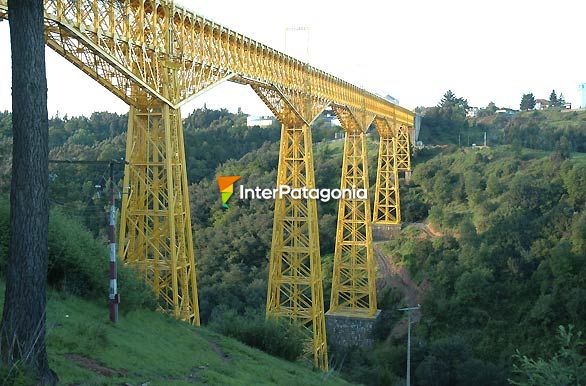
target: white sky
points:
(413, 50)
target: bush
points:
(413, 206)
(78, 263)
(378, 365)
(278, 337)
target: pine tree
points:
(553, 99)
(527, 102)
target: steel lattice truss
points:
(386, 201)
(403, 152)
(295, 278)
(155, 217)
(156, 56)
(353, 280)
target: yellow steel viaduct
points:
(157, 56)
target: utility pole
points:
(409, 310)
(114, 296)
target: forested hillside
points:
(510, 267)
(504, 268)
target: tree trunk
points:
(23, 321)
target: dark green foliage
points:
(527, 102)
(16, 376)
(551, 129)
(413, 205)
(377, 366)
(544, 130)
(388, 302)
(215, 136)
(212, 137)
(79, 264)
(233, 245)
(554, 101)
(567, 367)
(514, 271)
(451, 362)
(446, 123)
(508, 271)
(277, 337)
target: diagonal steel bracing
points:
(387, 208)
(155, 226)
(403, 148)
(295, 277)
(354, 280)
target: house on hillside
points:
(472, 112)
(328, 115)
(541, 104)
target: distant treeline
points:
(447, 123)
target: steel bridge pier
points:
(155, 223)
(353, 280)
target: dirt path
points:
(218, 350)
(395, 276)
(426, 228)
(95, 366)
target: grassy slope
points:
(151, 347)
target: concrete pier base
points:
(346, 331)
(384, 232)
(408, 177)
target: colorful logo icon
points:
(226, 184)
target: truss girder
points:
(387, 208)
(354, 280)
(140, 38)
(295, 277)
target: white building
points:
(265, 121)
(472, 112)
(582, 88)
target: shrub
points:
(278, 337)
(78, 263)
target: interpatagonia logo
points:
(226, 185)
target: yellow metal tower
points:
(295, 278)
(387, 209)
(155, 224)
(403, 148)
(354, 280)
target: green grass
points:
(150, 347)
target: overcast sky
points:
(414, 50)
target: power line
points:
(114, 296)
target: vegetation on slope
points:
(510, 269)
(147, 346)
(150, 347)
(549, 129)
